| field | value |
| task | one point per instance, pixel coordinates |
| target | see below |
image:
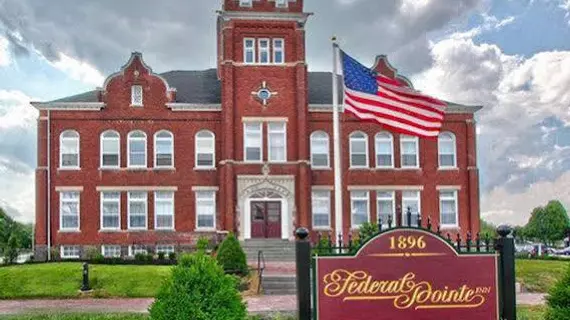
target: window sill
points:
(109, 230)
(448, 169)
(410, 168)
(136, 105)
(69, 169)
(253, 161)
(137, 168)
(164, 169)
(70, 257)
(69, 231)
(109, 168)
(322, 229)
(165, 229)
(137, 229)
(449, 227)
(321, 168)
(359, 168)
(384, 168)
(204, 168)
(205, 230)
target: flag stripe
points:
(415, 102)
(396, 116)
(381, 101)
(393, 125)
(407, 92)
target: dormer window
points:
(136, 96)
(281, 3)
(245, 3)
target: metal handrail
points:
(260, 268)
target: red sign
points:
(407, 274)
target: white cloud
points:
(78, 70)
(5, 58)
(15, 110)
(490, 23)
(565, 5)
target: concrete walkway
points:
(257, 304)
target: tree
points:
(558, 299)
(487, 229)
(548, 224)
(11, 250)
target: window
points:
(109, 251)
(281, 3)
(411, 200)
(110, 149)
(206, 209)
(319, 149)
(321, 204)
(245, 3)
(166, 248)
(249, 50)
(110, 210)
(358, 150)
(359, 208)
(137, 249)
(69, 149)
(164, 210)
(69, 211)
(137, 96)
(448, 208)
(277, 139)
(163, 150)
(409, 150)
(385, 206)
(263, 51)
(70, 252)
(384, 150)
(137, 150)
(253, 141)
(446, 150)
(137, 210)
(205, 149)
(278, 50)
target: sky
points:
(510, 56)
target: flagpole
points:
(336, 146)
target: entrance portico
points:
(266, 206)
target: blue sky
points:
(511, 56)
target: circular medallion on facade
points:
(264, 94)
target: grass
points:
(540, 275)
(531, 312)
(84, 316)
(63, 280)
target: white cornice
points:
(386, 188)
(279, 16)
(174, 106)
(136, 188)
(69, 106)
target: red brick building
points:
(153, 161)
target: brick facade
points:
(233, 179)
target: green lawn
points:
(540, 275)
(90, 316)
(530, 312)
(63, 280)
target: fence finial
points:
(429, 223)
(409, 216)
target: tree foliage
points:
(487, 228)
(20, 234)
(558, 300)
(548, 224)
(198, 289)
(231, 256)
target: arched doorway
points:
(266, 214)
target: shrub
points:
(99, 258)
(368, 230)
(172, 256)
(12, 250)
(198, 289)
(149, 257)
(323, 246)
(161, 255)
(202, 244)
(231, 256)
(91, 253)
(558, 299)
(141, 257)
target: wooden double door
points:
(265, 219)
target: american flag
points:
(373, 97)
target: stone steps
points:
(279, 284)
(273, 249)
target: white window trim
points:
(405, 138)
(61, 228)
(393, 198)
(260, 51)
(328, 198)
(281, 4)
(456, 200)
(253, 51)
(282, 50)
(354, 226)
(350, 138)
(129, 211)
(376, 138)
(133, 104)
(101, 211)
(213, 151)
(78, 145)
(260, 143)
(246, 3)
(61, 251)
(131, 249)
(111, 245)
(284, 132)
(118, 140)
(328, 149)
(145, 165)
(454, 142)
(171, 139)
(405, 209)
(157, 250)
(156, 200)
(213, 228)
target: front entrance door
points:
(265, 219)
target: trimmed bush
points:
(149, 257)
(140, 257)
(198, 289)
(202, 244)
(172, 256)
(558, 299)
(161, 255)
(231, 256)
(99, 258)
(368, 230)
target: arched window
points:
(446, 150)
(409, 151)
(358, 150)
(137, 149)
(69, 149)
(319, 149)
(205, 149)
(384, 145)
(163, 149)
(110, 149)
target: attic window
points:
(281, 3)
(136, 96)
(245, 3)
